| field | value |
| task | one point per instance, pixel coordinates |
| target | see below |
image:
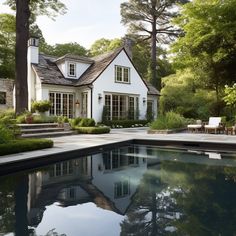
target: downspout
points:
(91, 101)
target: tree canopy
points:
(7, 45)
(151, 20)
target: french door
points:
(62, 104)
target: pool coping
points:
(14, 164)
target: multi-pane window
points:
(3, 96)
(122, 188)
(122, 74)
(61, 169)
(72, 69)
(62, 104)
(84, 105)
(108, 107)
(120, 107)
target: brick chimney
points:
(128, 44)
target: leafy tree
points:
(182, 93)
(7, 45)
(208, 43)
(62, 49)
(230, 95)
(25, 9)
(151, 20)
(103, 45)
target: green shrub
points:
(75, 122)
(38, 119)
(169, 121)
(87, 122)
(41, 106)
(93, 130)
(6, 135)
(125, 123)
(9, 113)
(23, 145)
(9, 129)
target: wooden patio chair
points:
(214, 125)
(196, 127)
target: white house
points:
(81, 86)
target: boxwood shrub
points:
(24, 145)
(93, 130)
(125, 123)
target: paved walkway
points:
(76, 142)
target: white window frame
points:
(69, 72)
(127, 96)
(53, 109)
(123, 68)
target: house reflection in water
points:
(108, 179)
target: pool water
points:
(133, 190)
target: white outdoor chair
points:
(214, 124)
(196, 127)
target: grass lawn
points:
(24, 145)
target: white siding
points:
(105, 83)
(80, 68)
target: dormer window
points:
(71, 69)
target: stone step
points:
(38, 126)
(41, 130)
(48, 134)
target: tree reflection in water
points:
(183, 199)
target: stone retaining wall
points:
(6, 86)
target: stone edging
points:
(165, 131)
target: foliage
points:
(82, 122)
(87, 122)
(23, 145)
(103, 45)
(36, 119)
(125, 123)
(151, 20)
(93, 130)
(75, 122)
(170, 120)
(207, 45)
(41, 106)
(7, 45)
(8, 128)
(182, 93)
(230, 95)
(63, 49)
(5, 134)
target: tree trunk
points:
(21, 199)
(154, 80)
(22, 35)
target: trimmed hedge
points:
(24, 145)
(125, 123)
(93, 130)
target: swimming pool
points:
(130, 190)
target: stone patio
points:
(79, 142)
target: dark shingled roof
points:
(75, 57)
(100, 64)
(49, 73)
(151, 89)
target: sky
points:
(84, 22)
